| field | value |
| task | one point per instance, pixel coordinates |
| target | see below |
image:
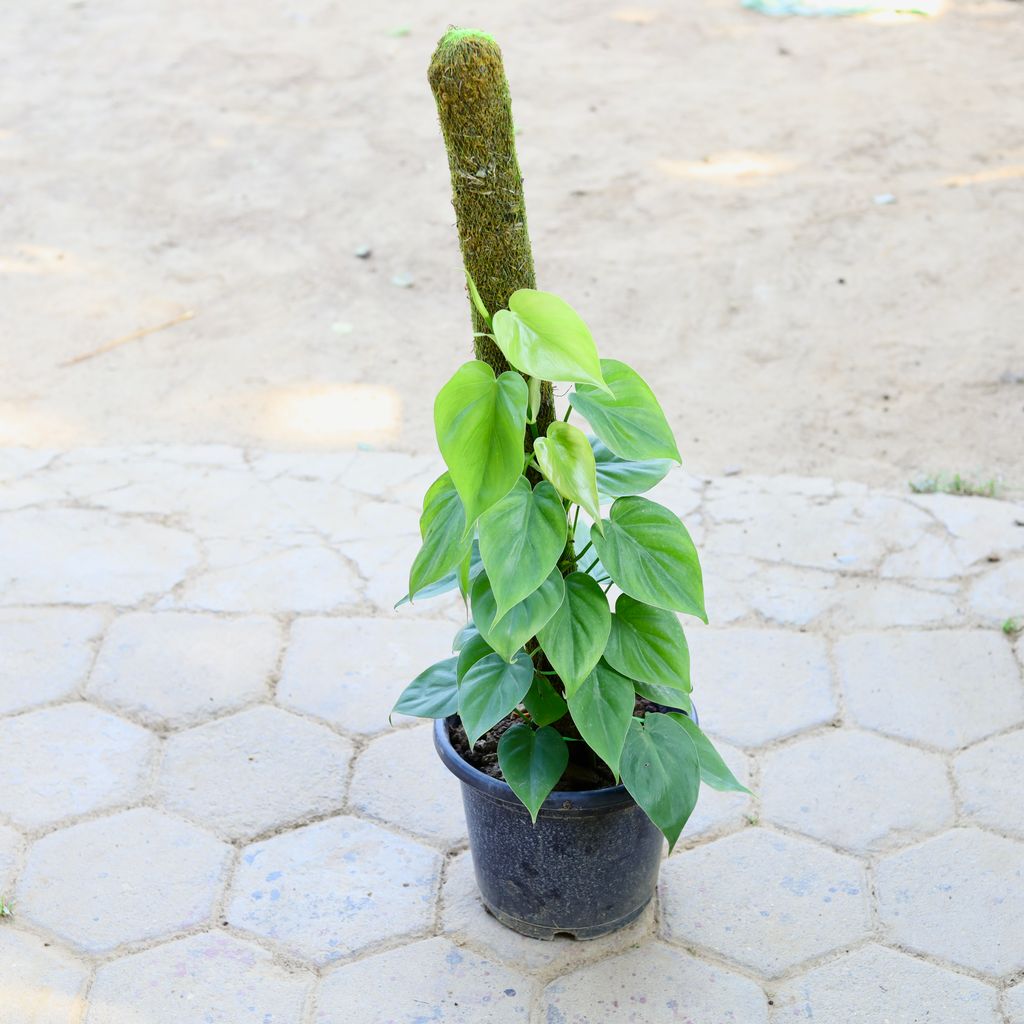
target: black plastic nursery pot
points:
(587, 867)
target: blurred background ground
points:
(804, 232)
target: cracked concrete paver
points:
(236, 625)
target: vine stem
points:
(592, 564)
(583, 550)
(568, 413)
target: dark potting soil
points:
(584, 771)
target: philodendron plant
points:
(516, 523)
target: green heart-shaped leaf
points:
(522, 621)
(480, 422)
(543, 703)
(434, 693)
(468, 568)
(602, 709)
(443, 529)
(650, 556)
(490, 690)
(629, 420)
(567, 460)
(532, 763)
(542, 335)
(713, 770)
(475, 648)
(648, 644)
(666, 696)
(617, 478)
(574, 637)
(521, 539)
(661, 771)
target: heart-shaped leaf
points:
(443, 529)
(469, 568)
(542, 335)
(713, 770)
(574, 637)
(567, 460)
(480, 422)
(629, 420)
(464, 635)
(532, 762)
(617, 478)
(666, 696)
(649, 554)
(475, 648)
(522, 621)
(490, 690)
(661, 771)
(543, 703)
(602, 709)
(434, 693)
(648, 644)
(521, 539)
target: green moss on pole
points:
(473, 103)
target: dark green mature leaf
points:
(649, 554)
(532, 763)
(543, 702)
(480, 423)
(648, 644)
(464, 635)
(475, 648)
(666, 696)
(434, 693)
(567, 460)
(629, 421)
(521, 539)
(661, 771)
(617, 478)
(443, 529)
(542, 335)
(713, 770)
(449, 582)
(490, 690)
(575, 636)
(602, 709)
(521, 621)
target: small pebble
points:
(403, 280)
(364, 252)
(732, 471)
(885, 199)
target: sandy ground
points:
(701, 181)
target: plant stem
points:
(583, 550)
(592, 564)
(568, 413)
(575, 520)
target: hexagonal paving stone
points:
(765, 900)
(875, 985)
(987, 776)
(1013, 1003)
(253, 771)
(756, 685)
(174, 668)
(38, 984)
(427, 981)
(959, 896)
(399, 778)
(655, 985)
(47, 652)
(125, 878)
(351, 671)
(465, 920)
(716, 810)
(329, 890)
(196, 980)
(856, 790)
(943, 687)
(10, 856)
(66, 761)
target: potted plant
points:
(569, 724)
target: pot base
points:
(585, 934)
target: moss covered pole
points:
(473, 103)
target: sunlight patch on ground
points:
(738, 167)
(334, 414)
(1006, 173)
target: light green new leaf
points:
(434, 693)
(617, 478)
(532, 763)
(543, 336)
(666, 696)
(443, 529)
(474, 296)
(575, 636)
(649, 554)
(475, 648)
(534, 385)
(713, 770)
(521, 539)
(522, 621)
(480, 422)
(648, 644)
(543, 703)
(567, 460)
(490, 690)
(602, 709)
(629, 421)
(661, 771)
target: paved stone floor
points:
(206, 817)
